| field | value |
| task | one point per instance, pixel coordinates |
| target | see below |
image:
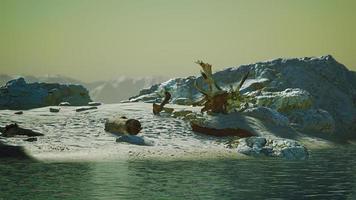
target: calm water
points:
(328, 174)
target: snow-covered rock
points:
(287, 85)
(272, 147)
(268, 115)
(286, 101)
(314, 120)
(17, 94)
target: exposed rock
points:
(64, 104)
(268, 115)
(314, 120)
(94, 104)
(276, 147)
(17, 94)
(123, 126)
(54, 110)
(286, 101)
(18, 113)
(81, 109)
(12, 130)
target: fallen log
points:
(221, 132)
(123, 126)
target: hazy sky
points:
(102, 39)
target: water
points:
(328, 174)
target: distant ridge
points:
(111, 91)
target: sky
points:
(102, 39)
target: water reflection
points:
(35, 180)
(329, 174)
(241, 179)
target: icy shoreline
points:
(72, 136)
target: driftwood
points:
(215, 99)
(123, 125)
(221, 132)
(158, 108)
(12, 130)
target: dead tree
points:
(216, 99)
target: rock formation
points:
(17, 94)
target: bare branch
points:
(242, 81)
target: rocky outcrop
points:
(272, 147)
(289, 86)
(17, 94)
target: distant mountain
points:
(4, 78)
(114, 91)
(111, 91)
